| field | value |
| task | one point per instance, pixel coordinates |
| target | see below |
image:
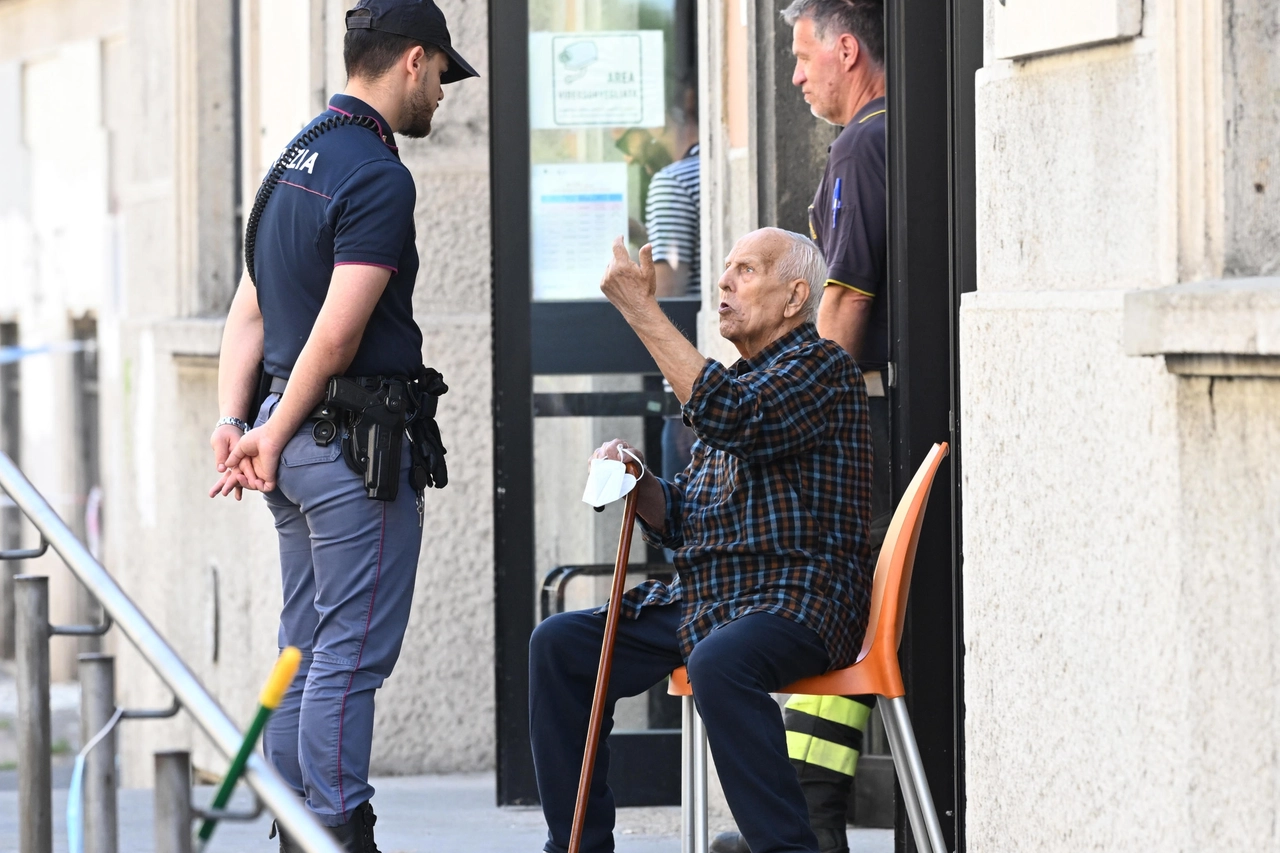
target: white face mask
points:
(608, 480)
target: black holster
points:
(378, 413)
(375, 414)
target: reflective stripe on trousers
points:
(826, 731)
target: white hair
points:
(802, 259)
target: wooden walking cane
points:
(606, 662)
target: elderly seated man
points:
(769, 524)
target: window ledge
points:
(1229, 327)
(190, 337)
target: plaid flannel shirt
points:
(773, 513)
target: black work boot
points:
(729, 842)
(829, 841)
(287, 844)
(832, 839)
(356, 835)
(828, 801)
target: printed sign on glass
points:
(578, 210)
(608, 79)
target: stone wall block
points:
(1228, 430)
(1252, 71)
(206, 571)
(436, 711)
(1074, 674)
(1069, 177)
(453, 242)
(1231, 316)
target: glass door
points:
(611, 95)
(608, 118)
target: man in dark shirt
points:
(328, 291)
(839, 50)
(769, 524)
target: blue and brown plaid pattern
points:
(773, 513)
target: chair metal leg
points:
(687, 717)
(693, 780)
(701, 840)
(911, 778)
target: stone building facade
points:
(1119, 384)
(1120, 397)
(146, 124)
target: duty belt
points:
(322, 410)
(371, 415)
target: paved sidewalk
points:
(417, 814)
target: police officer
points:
(839, 50)
(330, 270)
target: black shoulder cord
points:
(277, 172)
(264, 194)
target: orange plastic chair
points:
(876, 672)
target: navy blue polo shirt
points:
(853, 230)
(345, 199)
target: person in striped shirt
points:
(672, 220)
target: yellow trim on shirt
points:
(871, 116)
(831, 281)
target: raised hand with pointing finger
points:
(631, 287)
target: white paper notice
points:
(609, 79)
(578, 210)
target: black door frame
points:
(514, 593)
(934, 47)
(517, 356)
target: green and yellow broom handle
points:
(268, 700)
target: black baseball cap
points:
(420, 20)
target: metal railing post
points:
(305, 830)
(173, 802)
(9, 556)
(97, 706)
(35, 777)
(7, 615)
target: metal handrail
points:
(302, 827)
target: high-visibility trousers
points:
(824, 739)
(825, 733)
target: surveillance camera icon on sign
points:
(577, 58)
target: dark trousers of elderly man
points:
(770, 529)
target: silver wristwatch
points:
(235, 422)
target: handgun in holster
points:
(373, 443)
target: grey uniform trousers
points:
(347, 565)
